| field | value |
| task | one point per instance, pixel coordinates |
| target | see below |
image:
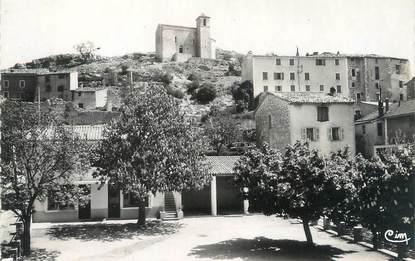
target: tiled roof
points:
(311, 98)
(221, 164)
(333, 55)
(89, 89)
(404, 108)
(88, 132)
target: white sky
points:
(38, 28)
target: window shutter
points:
(329, 131)
(316, 134)
(341, 134)
(282, 76)
(303, 134)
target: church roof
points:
(203, 15)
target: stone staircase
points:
(170, 211)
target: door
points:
(84, 210)
(113, 202)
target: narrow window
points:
(181, 49)
(358, 97)
(398, 69)
(175, 39)
(401, 97)
(400, 84)
(335, 134)
(265, 88)
(278, 61)
(310, 134)
(380, 129)
(22, 83)
(264, 76)
(307, 88)
(6, 84)
(353, 84)
(353, 72)
(364, 129)
(291, 61)
(338, 76)
(293, 88)
(79, 94)
(269, 121)
(377, 73)
(322, 88)
(278, 76)
(292, 76)
(336, 61)
(376, 85)
(322, 113)
(307, 76)
(377, 96)
(204, 22)
(278, 88)
(339, 88)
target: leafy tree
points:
(221, 131)
(86, 50)
(243, 94)
(151, 148)
(206, 93)
(295, 183)
(38, 155)
(192, 87)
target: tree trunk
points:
(141, 213)
(375, 240)
(26, 241)
(307, 232)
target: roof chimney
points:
(386, 105)
(380, 108)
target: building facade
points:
(90, 98)
(26, 84)
(325, 121)
(360, 77)
(410, 88)
(179, 43)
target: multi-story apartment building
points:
(25, 84)
(360, 77)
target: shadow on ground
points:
(111, 232)
(42, 254)
(262, 248)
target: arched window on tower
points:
(175, 39)
(204, 21)
(181, 49)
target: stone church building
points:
(179, 43)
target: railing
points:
(385, 148)
(13, 249)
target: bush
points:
(192, 87)
(194, 77)
(206, 94)
(177, 93)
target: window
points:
(6, 84)
(353, 84)
(380, 129)
(320, 62)
(80, 105)
(61, 76)
(48, 88)
(204, 22)
(338, 76)
(376, 85)
(401, 97)
(307, 88)
(175, 39)
(322, 113)
(339, 88)
(358, 75)
(278, 88)
(269, 121)
(264, 76)
(358, 97)
(364, 129)
(376, 60)
(377, 73)
(180, 49)
(353, 72)
(47, 78)
(335, 134)
(292, 76)
(278, 61)
(22, 83)
(400, 84)
(55, 204)
(293, 88)
(60, 88)
(265, 88)
(311, 134)
(307, 76)
(398, 69)
(291, 61)
(352, 59)
(322, 88)
(377, 96)
(79, 94)
(130, 200)
(6, 94)
(336, 61)
(278, 76)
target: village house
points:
(360, 77)
(386, 127)
(410, 87)
(26, 84)
(218, 197)
(91, 98)
(325, 121)
(179, 43)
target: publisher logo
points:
(395, 237)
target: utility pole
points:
(299, 69)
